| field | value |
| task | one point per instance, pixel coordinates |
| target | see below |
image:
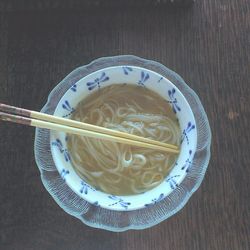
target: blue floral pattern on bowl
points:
(86, 187)
(173, 100)
(155, 200)
(127, 70)
(67, 107)
(188, 162)
(172, 181)
(186, 131)
(118, 201)
(74, 87)
(63, 173)
(144, 78)
(97, 81)
(57, 143)
(161, 78)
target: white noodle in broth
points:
(122, 169)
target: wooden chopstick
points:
(75, 127)
(59, 120)
(72, 130)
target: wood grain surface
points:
(207, 43)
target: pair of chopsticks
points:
(41, 120)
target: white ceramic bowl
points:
(114, 213)
(145, 79)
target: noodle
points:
(117, 168)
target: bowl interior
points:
(120, 75)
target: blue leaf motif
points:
(144, 78)
(74, 87)
(91, 87)
(188, 163)
(190, 127)
(96, 204)
(173, 100)
(63, 173)
(155, 200)
(119, 201)
(67, 107)
(160, 79)
(172, 182)
(160, 198)
(85, 188)
(97, 81)
(126, 70)
(186, 131)
(103, 77)
(66, 155)
(57, 143)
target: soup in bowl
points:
(134, 100)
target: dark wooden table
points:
(207, 43)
